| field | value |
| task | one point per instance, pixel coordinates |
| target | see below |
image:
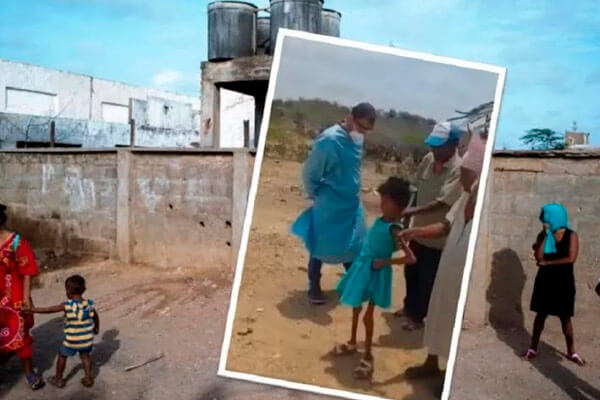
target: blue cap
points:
(444, 133)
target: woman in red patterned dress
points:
(17, 269)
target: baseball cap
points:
(443, 133)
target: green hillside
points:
(298, 120)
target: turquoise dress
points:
(363, 283)
(333, 229)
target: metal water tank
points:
(302, 15)
(231, 30)
(263, 35)
(330, 22)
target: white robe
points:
(446, 289)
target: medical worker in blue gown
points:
(333, 226)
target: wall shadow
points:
(504, 295)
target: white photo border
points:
(285, 33)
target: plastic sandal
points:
(576, 358)
(87, 382)
(530, 354)
(364, 369)
(35, 381)
(344, 349)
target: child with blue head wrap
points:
(555, 217)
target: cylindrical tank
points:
(263, 34)
(330, 22)
(231, 30)
(301, 15)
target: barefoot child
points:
(17, 269)
(81, 324)
(554, 290)
(369, 279)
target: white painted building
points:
(43, 92)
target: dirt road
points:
(278, 334)
(143, 312)
(549, 376)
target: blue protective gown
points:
(333, 229)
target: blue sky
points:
(550, 47)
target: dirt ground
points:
(278, 334)
(143, 312)
(549, 376)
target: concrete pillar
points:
(240, 199)
(124, 170)
(210, 114)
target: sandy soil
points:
(488, 366)
(143, 312)
(277, 333)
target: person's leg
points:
(355, 316)
(86, 360)
(567, 328)
(315, 293)
(538, 327)
(58, 379)
(430, 260)
(25, 354)
(27, 366)
(368, 321)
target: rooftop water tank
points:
(263, 35)
(302, 15)
(330, 22)
(231, 30)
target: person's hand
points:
(542, 263)
(408, 212)
(96, 329)
(406, 235)
(27, 305)
(308, 202)
(380, 263)
(409, 255)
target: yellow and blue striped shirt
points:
(79, 324)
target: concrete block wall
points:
(504, 270)
(165, 208)
(62, 202)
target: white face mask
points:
(357, 137)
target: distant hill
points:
(295, 122)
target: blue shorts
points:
(70, 352)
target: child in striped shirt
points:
(81, 324)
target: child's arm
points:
(539, 247)
(409, 257)
(438, 229)
(48, 310)
(96, 323)
(573, 252)
(27, 302)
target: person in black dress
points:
(556, 251)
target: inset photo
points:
(362, 207)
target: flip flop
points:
(530, 354)
(57, 383)
(344, 349)
(35, 381)
(576, 358)
(364, 369)
(87, 382)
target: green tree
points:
(543, 139)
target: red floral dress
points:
(14, 324)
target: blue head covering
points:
(556, 217)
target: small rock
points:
(246, 332)
(260, 309)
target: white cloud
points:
(167, 78)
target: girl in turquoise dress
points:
(369, 279)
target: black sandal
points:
(35, 381)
